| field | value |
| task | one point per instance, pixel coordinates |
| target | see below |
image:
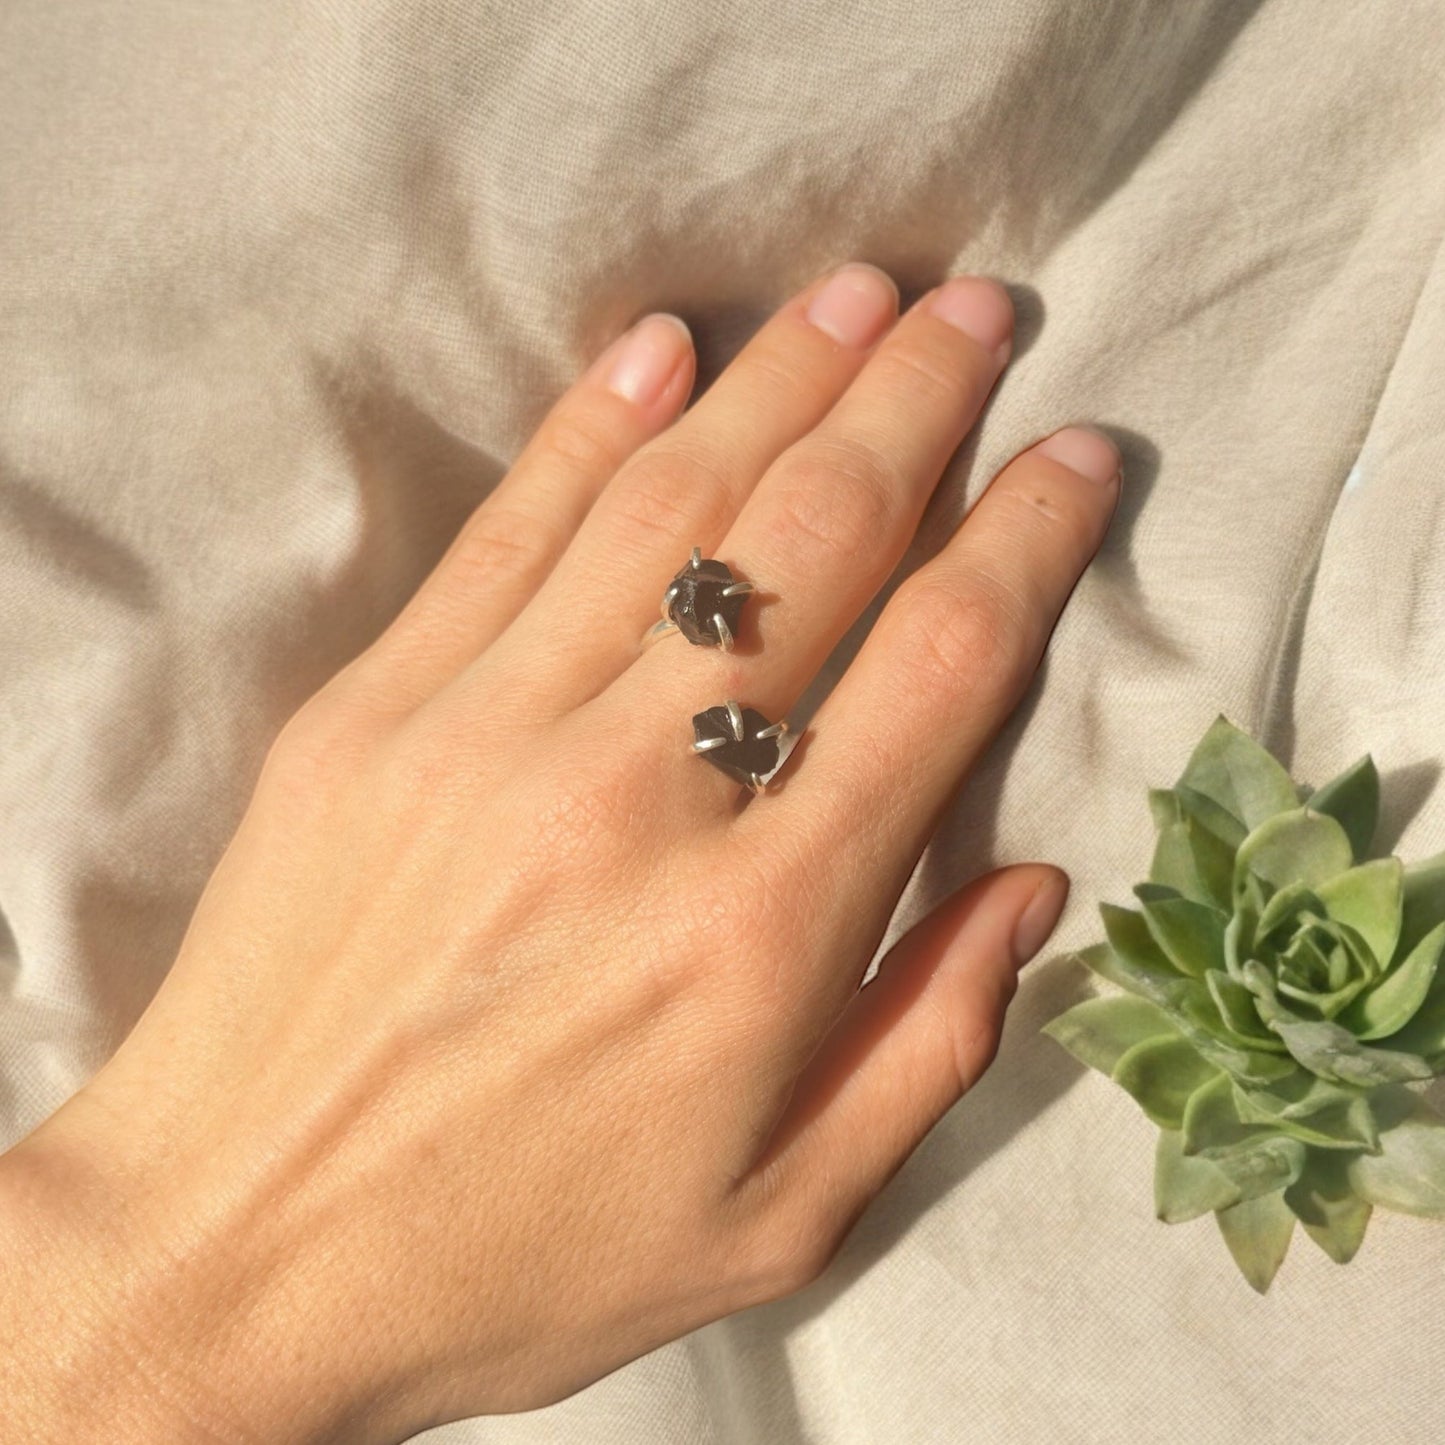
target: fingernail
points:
(980, 308)
(1037, 920)
(856, 304)
(648, 357)
(1083, 450)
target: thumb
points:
(910, 1043)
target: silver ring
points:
(703, 602)
(741, 742)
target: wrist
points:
(121, 1320)
(83, 1352)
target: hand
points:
(505, 1045)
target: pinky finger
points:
(904, 1051)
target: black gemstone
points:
(739, 760)
(697, 598)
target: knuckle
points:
(316, 749)
(836, 497)
(583, 439)
(580, 823)
(785, 1254)
(774, 378)
(729, 919)
(499, 541)
(920, 370)
(973, 632)
(794, 1218)
(412, 773)
(654, 493)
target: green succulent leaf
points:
(1325, 1203)
(1408, 1175)
(1194, 852)
(1308, 1108)
(1188, 1006)
(1397, 998)
(1210, 1125)
(1240, 935)
(1425, 1033)
(1258, 1233)
(1231, 770)
(1194, 862)
(1100, 1031)
(1161, 1073)
(1299, 846)
(1324, 1047)
(1236, 1007)
(1173, 861)
(1285, 904)
(1255, 1161)
(1213, 863)
(1369, 899)
(1329, 1004)
(1164, 808)
(1197, 1018)
(1156, 986)
(1186, 1186)
(1222, 825)
(1424, 900)
(1189, 933)
(1256, 1157)
(1129, 936)
(1353, 800)
(1272, 1163)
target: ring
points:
(740, 741)
(703, 602)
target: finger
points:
(684, 489)
(834, 515)
(633, 390)
(949, 658)
(907, 1048)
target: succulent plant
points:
(1284, 1007)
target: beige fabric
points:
(284, 286)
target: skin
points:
(509, 1039)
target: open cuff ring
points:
(703, 602)
(740, 741)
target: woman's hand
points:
(505, 1045)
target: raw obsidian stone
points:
(738, 759)
(697, 599)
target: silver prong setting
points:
(658, 629)
(741, 742)
(703, 602)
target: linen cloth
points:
(284, 287)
